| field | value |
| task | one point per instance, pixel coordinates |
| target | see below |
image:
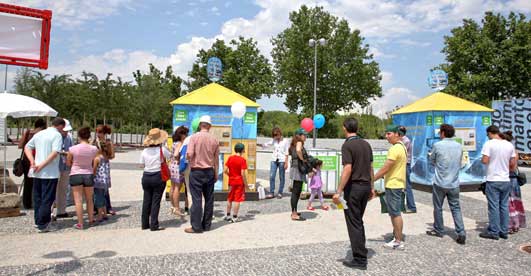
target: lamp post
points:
(313, 43)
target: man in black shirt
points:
(356, 182)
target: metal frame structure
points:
(46, 16)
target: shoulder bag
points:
(164, 170)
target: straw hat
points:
(155, 137)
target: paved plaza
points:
(266, 242)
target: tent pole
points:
(5, 81)
(5, 158)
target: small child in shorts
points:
(102, 179)
(236, 169)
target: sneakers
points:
(235, 219)
(78, 226)
(44, 230)
(279, 196)
(488, 236)
(461, 239)
(394, 245)
(227, 218)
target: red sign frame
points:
(46, 16)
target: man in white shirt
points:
(279, 161)
(498, 156)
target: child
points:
(236, 169)
(102, 178)
(315, 185)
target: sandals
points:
(78, 226)
(298, 219)
(324, 207)
(310, 208)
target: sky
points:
(122, 36)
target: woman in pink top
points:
(80, 159)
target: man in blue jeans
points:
(446, 156)
(499, 156)
(44, 169)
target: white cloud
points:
(379, 54)
(392, 98)
(410, 42)
(387, 78)
(70, 14)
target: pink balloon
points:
(307, 124)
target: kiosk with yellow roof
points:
(423, 119)
(216, 100)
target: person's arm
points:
(216, 162)
(485, 159)
(299, 151)
(386, 167)
(244, 176)
(111, 156)
(373, 192)
(345, 176)
(23, 139)
(190, 150)
(513, 164)
(69, 159)
(226, 170)
(95, 164)
(485, 152)
(49, 159)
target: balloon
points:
(238, 110)
(195, 124)
(307, 124)
(319, 121)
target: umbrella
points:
(18, 106)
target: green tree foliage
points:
(89, 100)
(347, 74)
(491, 61)
(245, 70)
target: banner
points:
(514, 115)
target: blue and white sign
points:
(437, 80)
(214, 69)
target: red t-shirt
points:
(236, 164)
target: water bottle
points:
(343, 203)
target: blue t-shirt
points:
(45, 142)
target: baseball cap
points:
(392, 128)
(205, 119)
(301, 131)
(239, 147)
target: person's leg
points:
(196, 210)
(410, 198)
(282, 177)
(505, 191)
(312, 196)
(398, 226)
(108, 203)
(146, 203)
(176, 197)
(272, 178)
(493, 200)
(78, 201)
(229, 207)
(37, 200)
(172, 194)
(320, 194)
(60, 197)
(48, 190)
(393, 198)
(236, 209)
(356, 197)
(295, 195)
(158, 191)
(187, 183)
(455, 208)
(438, 195)
(27, 193)
(89, 197)
(208, 193)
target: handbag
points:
(521, 178)
(18, 165)
(305, 166)
(164, 170)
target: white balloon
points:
(238, 110)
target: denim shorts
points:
(99, 197)
(393, 199)
(85, 180)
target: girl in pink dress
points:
(316, 184)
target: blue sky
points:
(121, 36)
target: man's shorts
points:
(393, 199)
(99, 197)
(236, 193)
(85, 180)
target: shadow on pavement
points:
(68, 267)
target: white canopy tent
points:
(19, 106)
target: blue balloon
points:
(319, 120)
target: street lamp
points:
(313, 43)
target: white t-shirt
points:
(150, 157)
(280, 149)
(500, 153)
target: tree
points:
(347, 74)
(245, 70)
(491, 61)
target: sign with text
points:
(329, 162)
(514, 115)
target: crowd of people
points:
(54, 162)
(57, 173)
